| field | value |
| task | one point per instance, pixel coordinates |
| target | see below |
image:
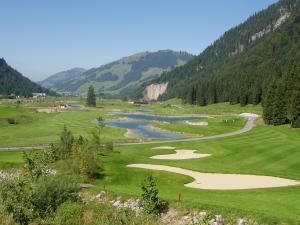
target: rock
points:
(203, 215)
(212, 222)
(219, 219)
(101, 196)
(153, 91)
(117, 204)
(240, 221)
(86, 186)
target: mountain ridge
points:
(13, 82)
(121, 76)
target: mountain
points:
(61, 77)
(234, 61)
(13, 82)
(123, 75)
(257, 61)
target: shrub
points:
(150, 201)
(36, 163)
(5, 219)
(50, 192)
(85, 160)
(95, 213)
(27, 201)
(15, 199)
(12, 120)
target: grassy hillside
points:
(61, 77)
(123, 75)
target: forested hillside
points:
(13, 82)
(245, 64)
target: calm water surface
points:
(141, 124)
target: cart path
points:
(248, 126)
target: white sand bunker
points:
(196, 123)
(181, 154)
(222, 181)
(164, 147)
(249, 115)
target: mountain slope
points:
(61, 77)
(218, 60)
(13, 82)
(123, 75)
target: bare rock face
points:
(153, 91)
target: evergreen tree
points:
(91, 97)
(295, 109)
(279, 116)
(201, 98)
(294, 106)
(268, 104)
(150, 200)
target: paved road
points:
(249, 125)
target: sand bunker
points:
(181, 154)
(222, 181)
(249, 115)
(196, 123)
(164, 147)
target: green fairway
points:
(10, 159)
(42, 128)
(216, 125)
(265, 150)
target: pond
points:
(142, 125)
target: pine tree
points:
(201, 98)
(268, 104)
(91, 97)
(279, 105)
(295, 109)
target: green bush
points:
(27, 201)
(12, 121)
(50, 192)
(15, 199)
(95, 213)
(150, 201)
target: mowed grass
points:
(43, 128)
(10, 159)
(273, 151)
(175, 107)
(216, 125)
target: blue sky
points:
(40, 38)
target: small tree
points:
(91, 97)
(66, 143)
(150, 201)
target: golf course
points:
(230, 165)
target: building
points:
(38, 95)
